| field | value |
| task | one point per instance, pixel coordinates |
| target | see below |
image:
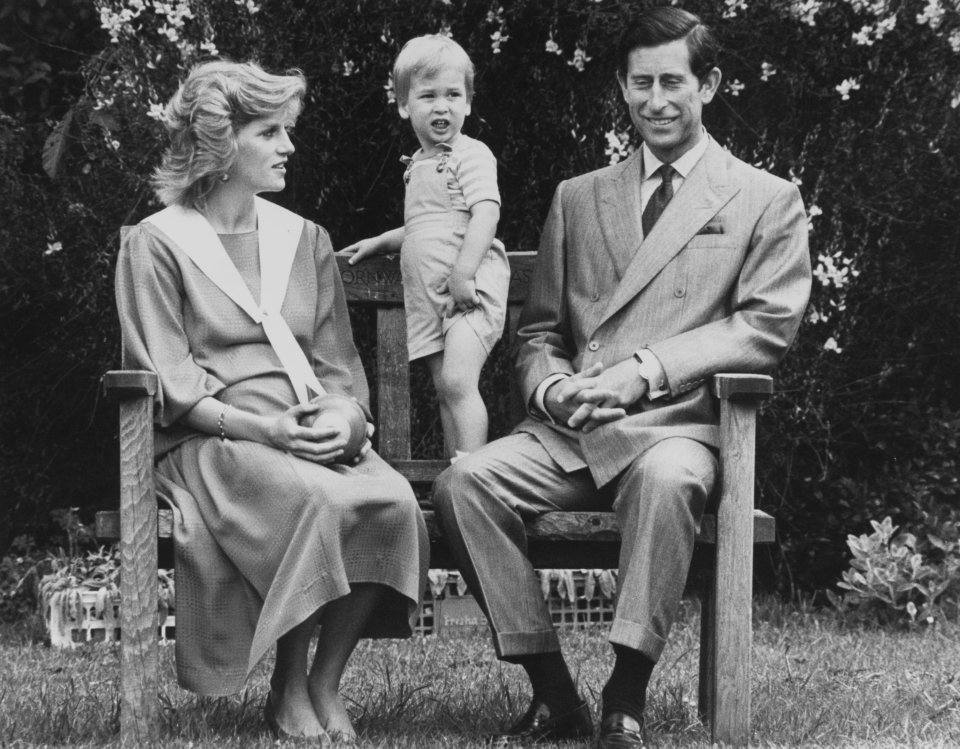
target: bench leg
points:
(733, 593)
(706, 697)
(139, 725)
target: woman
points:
(272, 535)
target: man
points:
(629, 314)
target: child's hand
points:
(463, 294)
(363, 249)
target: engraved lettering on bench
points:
(368, 278)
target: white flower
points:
(734, 7)
(391, 92)
(806, 11)
(834, 270)
(863, 37)
(497, 38)
(553, 47)
(618, 146)
(831, 345)
(155, 111)
(734, 87)
(766, 71)
(954, 40)
(845, 87)
(579, 60)
(932, 15)
(349, 68)
(53, 248)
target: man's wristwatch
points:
(650, 369)
(645, 371)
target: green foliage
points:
(18, 578)
(855, 102)
(902, 577)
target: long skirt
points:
(264, 539)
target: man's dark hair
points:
(667, 24)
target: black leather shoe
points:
(540, 723)
(620, 731)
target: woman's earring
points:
(225, 178)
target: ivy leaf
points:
(55, 146)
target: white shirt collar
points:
(683, 165)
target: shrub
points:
(902, 577)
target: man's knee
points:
(458, 484)
(670, 469)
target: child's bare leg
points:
(456, 375)
(435, 365)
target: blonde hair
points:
(203, 117)
(428, 55)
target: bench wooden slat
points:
(376, 281)
(553, 527)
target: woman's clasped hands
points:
(320, 444)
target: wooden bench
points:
(557, 540)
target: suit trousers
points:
(659, 499)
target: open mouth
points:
(440, 124)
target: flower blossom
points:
(845, 87)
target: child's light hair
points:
(203, 116)
(428, 55)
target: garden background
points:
(857, 102)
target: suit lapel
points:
(618, 207)
(703, 193)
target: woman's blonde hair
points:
(428, 55)
(203, 117)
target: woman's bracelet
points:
(223, 434)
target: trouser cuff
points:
(637, 637)
(525, 643)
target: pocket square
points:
(713, 227)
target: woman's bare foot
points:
(332, 713)
(291, 715)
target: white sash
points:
(279, 234)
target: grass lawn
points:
(816, 683)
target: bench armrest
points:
(742, 387)
(123, 384)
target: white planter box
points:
(73, 618)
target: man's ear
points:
(709, 85)
(404, 112)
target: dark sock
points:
(550, 679)
(626, 691)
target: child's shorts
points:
(423, 273)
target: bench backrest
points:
(377, 283)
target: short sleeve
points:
(476, 171)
